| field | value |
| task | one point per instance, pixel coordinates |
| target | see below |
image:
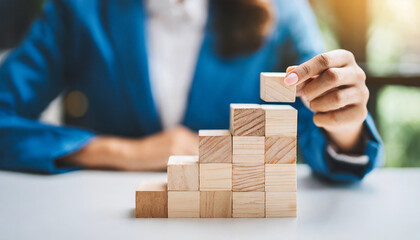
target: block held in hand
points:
(273, 88)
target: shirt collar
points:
(187, 11)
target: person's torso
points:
(107, 64)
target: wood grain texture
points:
(280, 120)
(280, 178)
(248, 205)
(183, 173)
(248, 145)
(280, 150)
(273, 88)
(281, 204)
(216, 177)
(152, 199)
(248, 178)
(247, 120)
(253, 159)
(216, 204)
(183, 204)
(215, 146)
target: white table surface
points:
(100, 205)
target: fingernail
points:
(291, 79)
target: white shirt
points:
(174, 37)
(175, 30)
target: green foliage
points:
(399, 121)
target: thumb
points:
(291, 68)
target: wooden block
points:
(273, 88)
(183, 173)
(248, 205)
(280, 150)
(280, 204)
(280, 120)
(183, 204)
(216, 177)
(216, 204)
(252, 159)
(248, 178)
(152, 199)
(246, 120)
(280, 178)
(248, 145)
(215, 146)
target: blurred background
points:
(384, 35)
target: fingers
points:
(300, 88)
(190, 145)
(184, 142)
(318, 64)
(338, 99)
(291, 68)
(342, 119)
(185, 146)
(329, 79)
(191, 150)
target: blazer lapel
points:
(128, 33)
(217, 82)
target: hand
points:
(146, 154)
(333, 86)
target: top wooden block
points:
(273, 88)
(215, 146)
(247, 120)
(280, 120)
(183, 173)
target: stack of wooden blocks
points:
(249, 171)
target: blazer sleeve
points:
(304, 33)
(30, 78)
(312, 143)
(303, 37)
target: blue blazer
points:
(98, 47)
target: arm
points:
(333, 86)
(146, 154)
(30, 78)
(313, 144)
(352, 132)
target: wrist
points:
(347, 141)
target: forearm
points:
(145, 154)
(119, 154)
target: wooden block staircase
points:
(248, 171)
